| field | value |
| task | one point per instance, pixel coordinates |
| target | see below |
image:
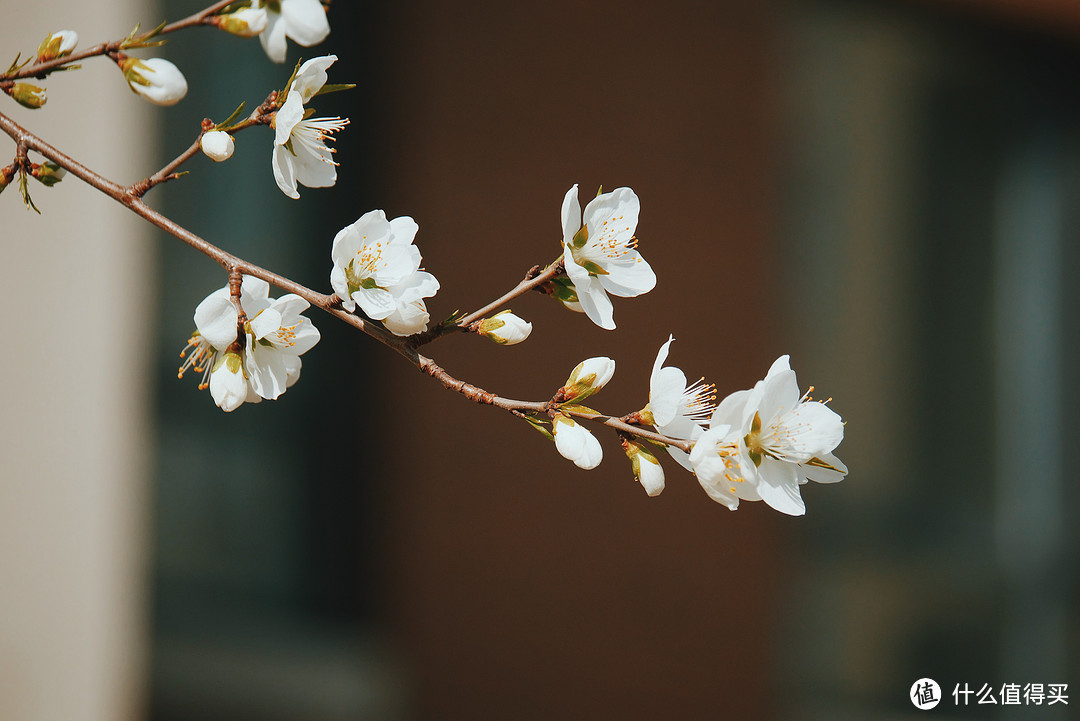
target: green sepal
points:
(453, 318)
(539, 426)
(578, 408)
(228, 121)
(16, 66)
(593, 268)
(563, 289)
(288, 85)
(581, 237)
(144, 40)
(599, 191)
(24, 189)
(335, 88)
(47, 174)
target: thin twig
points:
(533, 279)
(40, 70)
(260, 116)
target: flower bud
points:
(575, 443)
(48, 173)
(57, 45)
(647, 469)
(27, 95)
(244, 23)
(156, 79)
(228, 386)
(217, 145)
(505, 328)
(590, 376)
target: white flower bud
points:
(228, 386)
(647, 469)
(505, 328)
(217, 145)
(244, 23)
(156, 79)
(575, 443)
(57, 45)
(590, 376)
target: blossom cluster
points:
(760, 444)
(265, 360)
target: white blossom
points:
(575, 443)
(377, 267)
(268, 357)
(678, 410)
(156, 79)
(588, 377)
(217, 145)
(300, 151)
(304, 21)
(599, 254)
(765, 442)
(505, 328)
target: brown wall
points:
(522, 586)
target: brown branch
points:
(262, 115)
(40, 70)
(483, 397)
(236, 267)
(230, 262)
(533, 280)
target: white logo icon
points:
(925, 694)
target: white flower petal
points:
(377, 303)
(228, 387)
(814, 472)
(595, 302)
(666, 394)
(403, 230)
(264, 323)
(629, 277)
(571, 214)
(283, 171)
(575, 443)
(652, 476)
(311, 76)
(778, 486)
(216, 318)
(273, 37)
(305, 21)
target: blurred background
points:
(888, 190)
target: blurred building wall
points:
(75, 284)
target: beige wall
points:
(74, 410)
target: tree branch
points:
(331, 304)
(40, 70)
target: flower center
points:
(363, 267)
